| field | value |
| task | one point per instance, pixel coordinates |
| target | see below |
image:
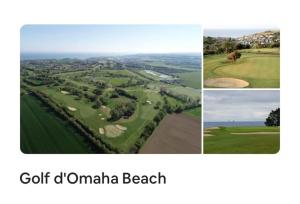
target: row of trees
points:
(132, 82)
(221, 45)
(123, 92)
(186, 100)
(147, 131)
(38, 80)
(164, 109)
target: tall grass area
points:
(42, 131)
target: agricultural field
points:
(171, 139)
(257, 68)
(241, 140)
(112, 108)
(191, 79)
(50, 133)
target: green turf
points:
(191, 79)
(84, 112)
(43, 132)
(136, 123)
(195, 112)
(260, 68)
(91, 117)
(118, 81)
(223, 142)
(190, 92)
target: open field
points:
(195, 112)
(191, 92)
(242, 140)
(191, 79)
(43, 132)
(259, 67)
(182, 138)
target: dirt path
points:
(176, 134)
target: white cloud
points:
(247, 105)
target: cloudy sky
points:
(239, 105)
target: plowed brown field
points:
(176, 134)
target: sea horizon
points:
(233, 123)
(87, 55)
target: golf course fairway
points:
(260, 68)
(241, 140)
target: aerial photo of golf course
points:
(241, 122)
(241, 58)
(107, 89)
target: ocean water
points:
(233, 123)
(34, 56)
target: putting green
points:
(261, 70)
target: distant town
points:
(267, 38)
(217, 45)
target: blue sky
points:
(233, 32)
(111, 38)
(249, 105)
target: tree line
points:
(76, 123)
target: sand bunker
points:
(101, 131)
(112, 131)
(105, 110)
(226, 83)
(64, 92)
(100, 114)
(212, 128)
(254, 133)
(207, 135)
(121, 127)
(71, 108)
(102, 118)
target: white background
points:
(191, 178)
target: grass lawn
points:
(43, 132)
(90, 116)
(191, 79)
(261, 69)
(136, 123)
(118, 81)
(195, 112)
(242, 140)
(190, 92)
